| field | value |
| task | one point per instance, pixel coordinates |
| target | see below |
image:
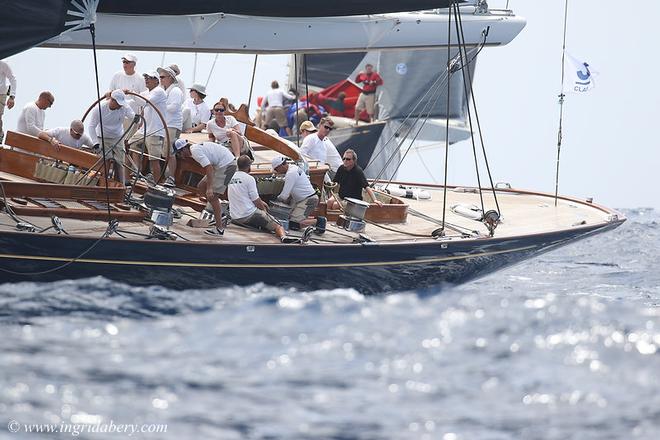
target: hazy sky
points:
(609, 151)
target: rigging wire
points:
(561, 103)
(476, 116)
(295, 86)
(210, 71)
(461, 45)
(92, 30)
(254, 71)
(444, 191)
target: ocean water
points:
(566, 346)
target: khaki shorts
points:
(366, 101)
(174, 135)
(304, 208)
(259, 219)
(155, 145)
(118, 154)
(222, 177)
(276, 113)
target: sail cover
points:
(269, 8)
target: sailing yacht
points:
(65, 216)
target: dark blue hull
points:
(369, 268)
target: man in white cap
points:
(129, 80)
(219, 166)
(73, 136)
(245, 205)
(198, 111)
(154, 141)
(32, 117)
(7, 95)
(299, 193)
(114, 111)
(179, 80)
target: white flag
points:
(579, 74)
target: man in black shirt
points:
(351, 180)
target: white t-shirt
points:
(158, 98)
(31, 120)
(199, 113)
(113, 121)
(134, 83)
(242, 192)
(210, 153)
(296, 185)
(322, 150)
(174, 115)
(220, 133)
(275, 98)
(63, 134)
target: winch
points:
(353, 220)
(160, 200)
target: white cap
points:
(151, 74)
(277, 161)
(119, 96)
(180, 144)
(168, 71)
(199, 88)
(130, 57)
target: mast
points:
(561, 102)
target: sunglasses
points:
(221, 110)
(126, 61)
(347, 158)
(327, 127)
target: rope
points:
(561, 102)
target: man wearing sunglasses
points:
(72, 136)
(318, 146)
(351, 180)
(128, 80)
(32, 117)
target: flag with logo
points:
(579, 75)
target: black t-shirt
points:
(350, 182)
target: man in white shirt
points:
(155, 131)
(114, 111)
(219, 166)
(319, 147)
(7, 95)
(299, 193)
(245, 205)
(173, 109)
(129, 80)
(273, 106)
(74, 136)
(32, 117)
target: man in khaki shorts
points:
(367, 99)
(245, 205)
(219, 166)
(153, 126)
(298, 191)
